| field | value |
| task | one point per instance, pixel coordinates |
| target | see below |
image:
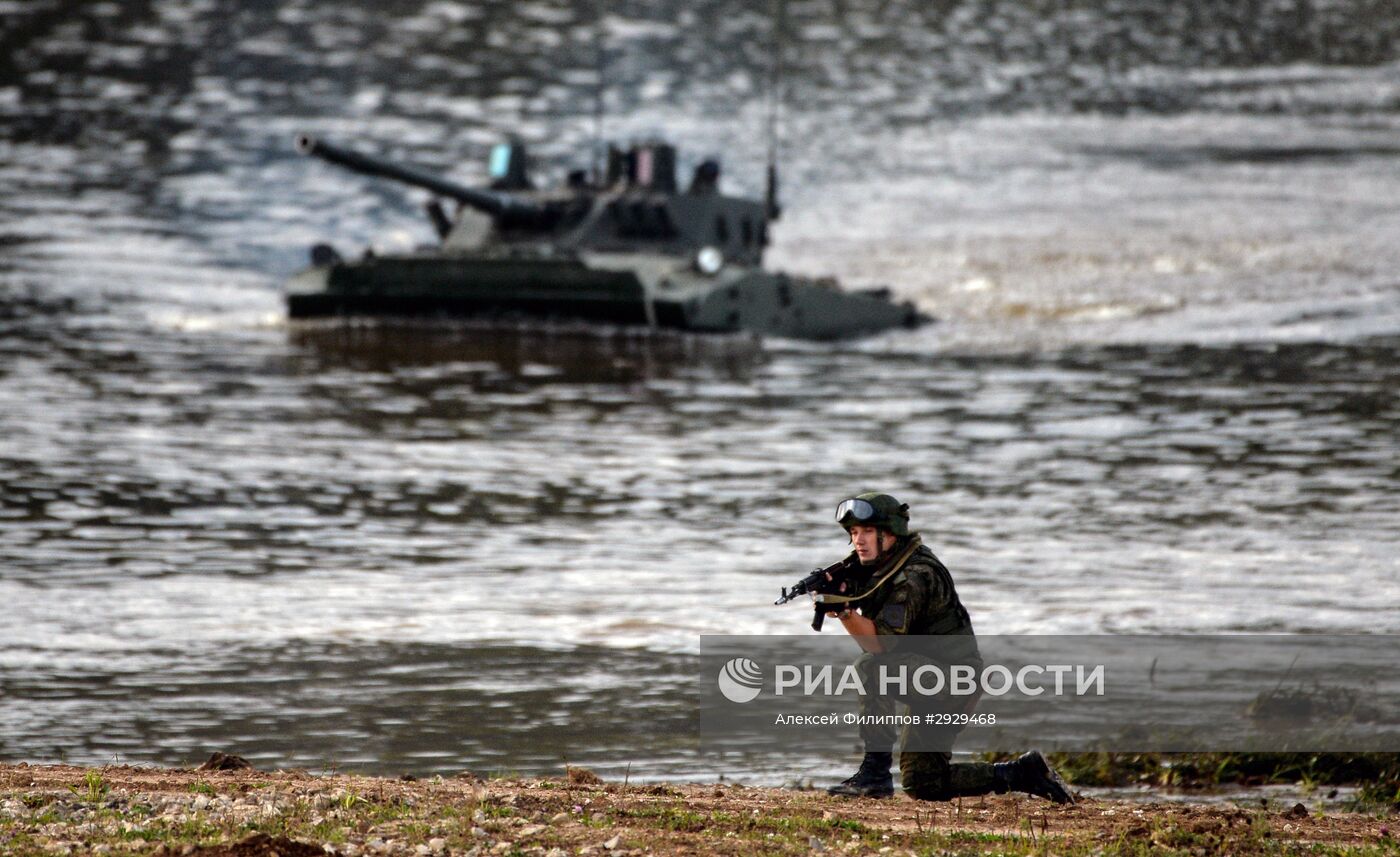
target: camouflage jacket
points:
(919, 599)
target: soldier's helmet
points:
(874, 510)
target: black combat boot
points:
(1033, 775)
(872, 780)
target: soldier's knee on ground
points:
(929, 794)
(932, 776)
(924, 776)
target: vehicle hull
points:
(625, 293)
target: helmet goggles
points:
(874, 510)
(855, 508)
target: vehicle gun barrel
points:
(491, 202)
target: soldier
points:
(914, 595)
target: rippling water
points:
(1161, 398)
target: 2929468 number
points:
(962, 719)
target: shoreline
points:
(64, 809)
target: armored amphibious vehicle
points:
(626, 247)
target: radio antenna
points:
(775, 101)
(600, 63)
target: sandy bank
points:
(125, 810)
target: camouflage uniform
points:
(921, 623)
(920, 600)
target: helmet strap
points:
(886, 551)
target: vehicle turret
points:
(636, 205)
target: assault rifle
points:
(840, 578)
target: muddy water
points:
(1161, 397)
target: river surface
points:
(1163, 246)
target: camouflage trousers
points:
(926, 768)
